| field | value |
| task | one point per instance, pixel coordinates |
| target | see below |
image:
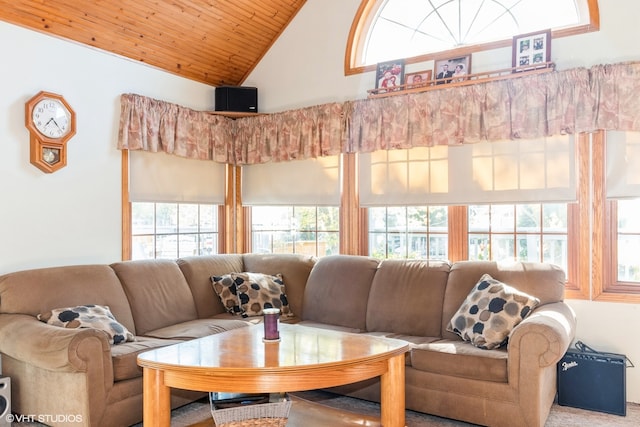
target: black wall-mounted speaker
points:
(241, 99)
(594, 381)
(5, 401)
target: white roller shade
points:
(310, 182)
(488, 172)
(623, 164)
(159, 177)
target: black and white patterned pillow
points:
(226, 289)
(490, 312)
(88, 316)
(257, 291)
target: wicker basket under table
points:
(273, 414)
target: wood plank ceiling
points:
(217, 42)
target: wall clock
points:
(51, 123)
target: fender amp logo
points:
(568, 365)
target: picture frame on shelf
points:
(417, 79)
(390, 76)
(452, 70)
(531, 51)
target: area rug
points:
(198, 413)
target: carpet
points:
(198, 413)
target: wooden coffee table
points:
(305, 358)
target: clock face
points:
(51, 118)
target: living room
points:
(73, 216)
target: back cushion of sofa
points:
(295, 270)
(541, 280)
(40, 290)
(158, 293)
(198, 271)
(406, 297)
(337, 291)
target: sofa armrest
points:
(546, 334)
(25, 338)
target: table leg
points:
(392, 404)
(156, 408)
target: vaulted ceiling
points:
(217, 42)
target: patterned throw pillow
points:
(257, 291)
(227, 291)
(88, 316)
(490, 312)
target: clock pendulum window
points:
(51, 123)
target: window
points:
(523, 232)
(294, 206)
(628, 241)
(618, 215)
(389, 29)
(311, 230)
(174, 205)
(506, 200)
(173, 230)
(408, 232)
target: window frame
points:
(606, 286)
(366, 13)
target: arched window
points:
(418, 30)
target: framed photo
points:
(452, 70)
(531, 51)
(417, 79)
(390, 76)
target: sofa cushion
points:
(490, 312)
(330, 327)
(337, 291)
(88, 316)
(406, 297)
(158, 293)
(124, 357)
(257, 291)
(225, 287)
(461, 359)
(413, 341)
(197, 328)
(198, 269)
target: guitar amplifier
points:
(593, 380)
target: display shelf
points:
(235, 114)
(469, 79)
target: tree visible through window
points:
(523, 232)
(408, 232)
(310, 230)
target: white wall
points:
(306, 67)
(72, 215)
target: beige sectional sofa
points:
(78, 372)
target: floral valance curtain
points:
(151, 125)
(532, 106)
